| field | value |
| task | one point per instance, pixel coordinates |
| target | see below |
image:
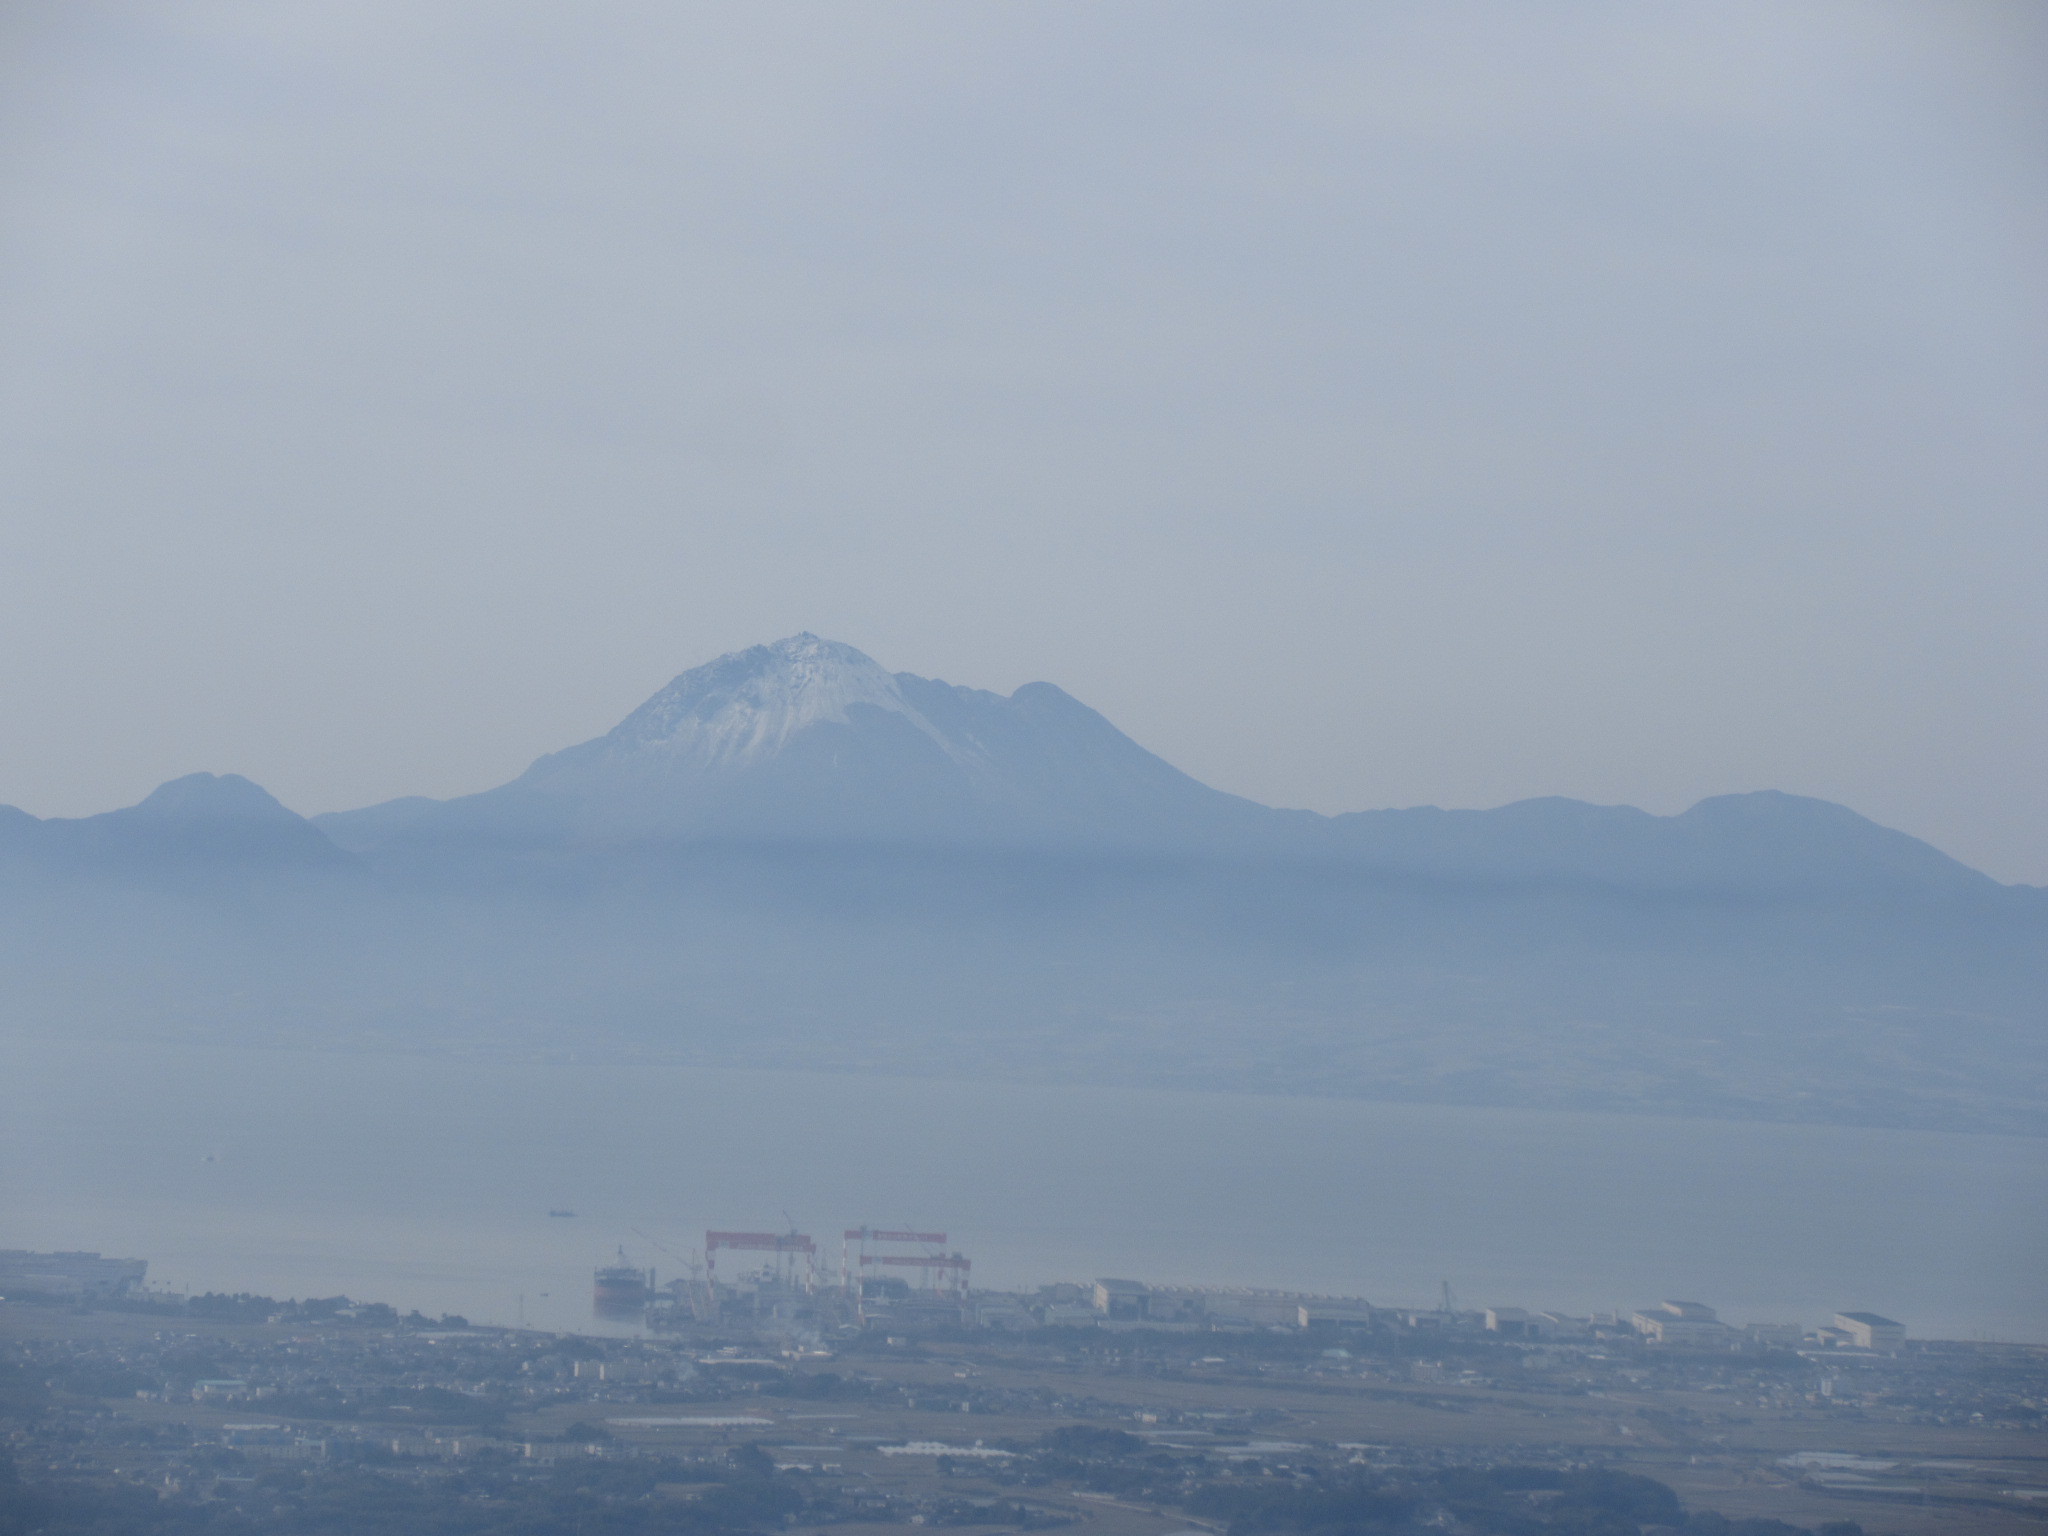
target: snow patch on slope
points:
(749, 704)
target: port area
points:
(1134, 1433)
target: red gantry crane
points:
(943, 1272)
(787, 1247)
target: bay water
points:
(427, 1181)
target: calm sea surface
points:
(426, 1182)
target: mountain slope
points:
(810, 740)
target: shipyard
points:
(787, 1289)
(867, 1382)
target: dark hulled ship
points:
(621, 1290)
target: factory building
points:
(1132, 1302)
(1866, 1330)
(1123, 1300)
(1333, 1313)
(68, 1274)
(1516, 1323)
(1681, 1322)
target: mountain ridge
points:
(220, 820)
(806, 740)
(810, 739)
(793, 858)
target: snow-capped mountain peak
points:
(808, 737)
(749, 704)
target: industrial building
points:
(1866, 1330)
(904, 1281)
(1132, 1302)
(68, 1274)
(1682, 1322)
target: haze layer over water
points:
(426, 1181)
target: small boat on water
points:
(561, 1213)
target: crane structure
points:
(944, 1272)
(788, 1249)
(941, 1271)
(855, 1258)
(690, 1291)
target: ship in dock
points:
(621, 1290)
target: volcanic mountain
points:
(809, 741)
(791, 856)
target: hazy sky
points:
(1361, 404)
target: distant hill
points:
(791, 856)
(201, 821)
